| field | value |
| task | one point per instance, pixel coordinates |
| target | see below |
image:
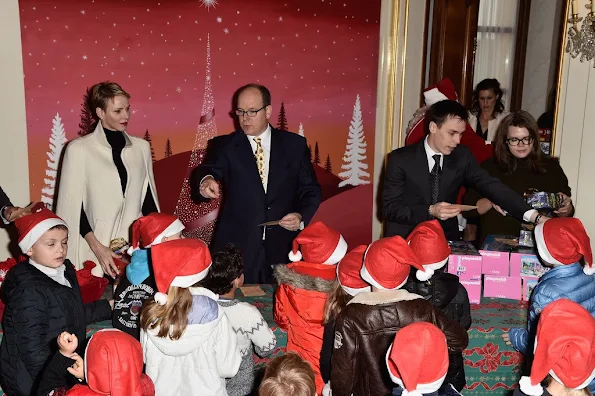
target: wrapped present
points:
(542, 200)
(5, 266)
(92, 287)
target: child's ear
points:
(29, 252)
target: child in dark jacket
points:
(43, 299)
(417, 361)
(138, 285)
(442, 289)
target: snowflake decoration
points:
(226, 30)
(83, 12)
(209, 3)
(219, 19)
(178, 89)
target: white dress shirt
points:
(57, 274)
(429, 153)
(265, 141)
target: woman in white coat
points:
(106, 181)
(487, 108)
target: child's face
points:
(50, 249)
(173, 237)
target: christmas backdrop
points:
(182, 60)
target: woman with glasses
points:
(520, 164)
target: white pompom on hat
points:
(428, 242)
(318, 244)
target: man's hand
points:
(444, 210)
(291, 221)
(67, 343)
(209, 188)
(506, 339)
(566, 208)
(78, 368)
(499, 209)
(11, 213)
(484, 205)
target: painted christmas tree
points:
(57, 142)
(168, 152)
(147, 137)
(310, 151)
(282, 120)
(316, 155)
(199, 219)
(87, 124)
(355, 151)
(328, 165)
(301, 129)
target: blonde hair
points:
(100, 93)
(171, 318)
(288, 375)
(336, 300)
(567, 391)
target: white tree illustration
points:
(57, 142)
(355, 151)
(301, 129)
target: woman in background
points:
(519, 163)
(106, 182)
(487, 108)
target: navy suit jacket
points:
(292, 187)
(406, 197)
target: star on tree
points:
(209, 3)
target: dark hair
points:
(489, 84)
(227, 266)
(502, 154)
(264, 92)
(60, 227)
(441, 111)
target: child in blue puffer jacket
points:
(561, 244)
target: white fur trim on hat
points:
(339, 252)
(354, 292)
(528, 389)
(368, 278)
(189, 280)
(542, 246)
(421, 388)
(295, 257)
(37, 231)
(172, 229)
(589, 269)
(132, 250)
(433, 96)
(585, 383)
(429, 270)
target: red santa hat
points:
(417, 360)
(318, 244)
(563, 241)
(152, 228)
(348, 272)
(444, 90)
(32, 226)
(387, 263)
(181, 263)
(429, 244)
(566, 352)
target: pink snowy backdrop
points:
(182, 60)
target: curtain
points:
(496, 37)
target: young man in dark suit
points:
(422, 180)
(266, 175)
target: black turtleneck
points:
(117, 141)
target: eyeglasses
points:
(250, 113)
(527, 140)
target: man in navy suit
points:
(266, 175)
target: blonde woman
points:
(106, 181)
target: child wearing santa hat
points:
(442, 289)
(417, 361)
(112, 365)
(42, 299)
(138, 285)
(561, 243)
(303, 288)
(564, 361)
(188, 343)
(366, 327)
(349, 283)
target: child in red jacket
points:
(303, 288)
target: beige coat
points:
(90, 177)
(492, 124)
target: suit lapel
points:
(421, 163)
(276, 164)
(246, 157)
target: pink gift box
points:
(495, 263)
(465, 266)
(502, 286)
(529, 283)
(473, 288)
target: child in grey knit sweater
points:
(225, 276)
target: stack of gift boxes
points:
(500, 268)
